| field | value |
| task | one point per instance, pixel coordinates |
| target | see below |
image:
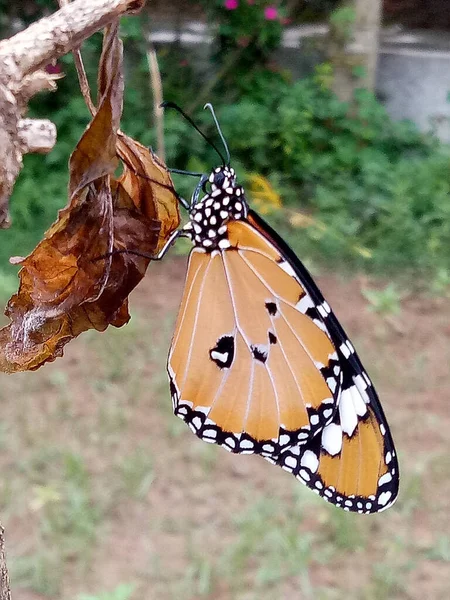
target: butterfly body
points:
(259, 364)
(208, 218)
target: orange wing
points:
(356, 471)
(249, 370)
(260, 364)
(352, 462)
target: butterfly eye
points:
(219, 178)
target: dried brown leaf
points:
(73, 280)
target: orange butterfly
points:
(259, 364)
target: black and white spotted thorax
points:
(225, 201)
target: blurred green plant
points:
(372, 183)
(441, 549)
(124, 591)
(342, 21)
(269, 540)
(385, 302)
(247, 34)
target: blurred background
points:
(337, 116)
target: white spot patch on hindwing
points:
(384, 498)
(347, 412)
(309, 460)
(332, 439)
(287, 268)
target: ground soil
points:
(189, 513)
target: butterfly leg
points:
(170, 241)
(198, 188)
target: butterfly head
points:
(222, 178)
(223, 202)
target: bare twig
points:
(22, 59)
(36, 135)
(58, 34)
(155, 79)
(5, 590)
(83, 81)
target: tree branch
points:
(5, 590)
(22, 58)
(21, 77)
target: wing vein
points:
(194, 328)
(244, 337)
(180, 324)
(263, 281)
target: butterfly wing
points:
(249, 369)
(357, 471)
(260, 364)
(352, 462)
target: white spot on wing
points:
(284, 439)
(310, 461)
(322, 311)
(287, 268)
(304, 303)
(358, 402)
(386, 478)
(384, 498)
(332, 439)
(344, 349)
(361, 385)
(290, 462)
(197, 422)
(209, 433)
(220, 356)
(247, 444)
(347, 412)
(331, 383)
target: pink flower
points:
(53, 68)
(271, 13)
(231, 4)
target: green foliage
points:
(384, 302)
(441, 549)
(124, 591)
(247, 35)
(342, 21)
(269, 539)
(373, 183)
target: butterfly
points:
(259, 363)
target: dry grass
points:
(105, 495)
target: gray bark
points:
(356, 48)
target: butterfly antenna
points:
(188, 118)
(222, 137)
